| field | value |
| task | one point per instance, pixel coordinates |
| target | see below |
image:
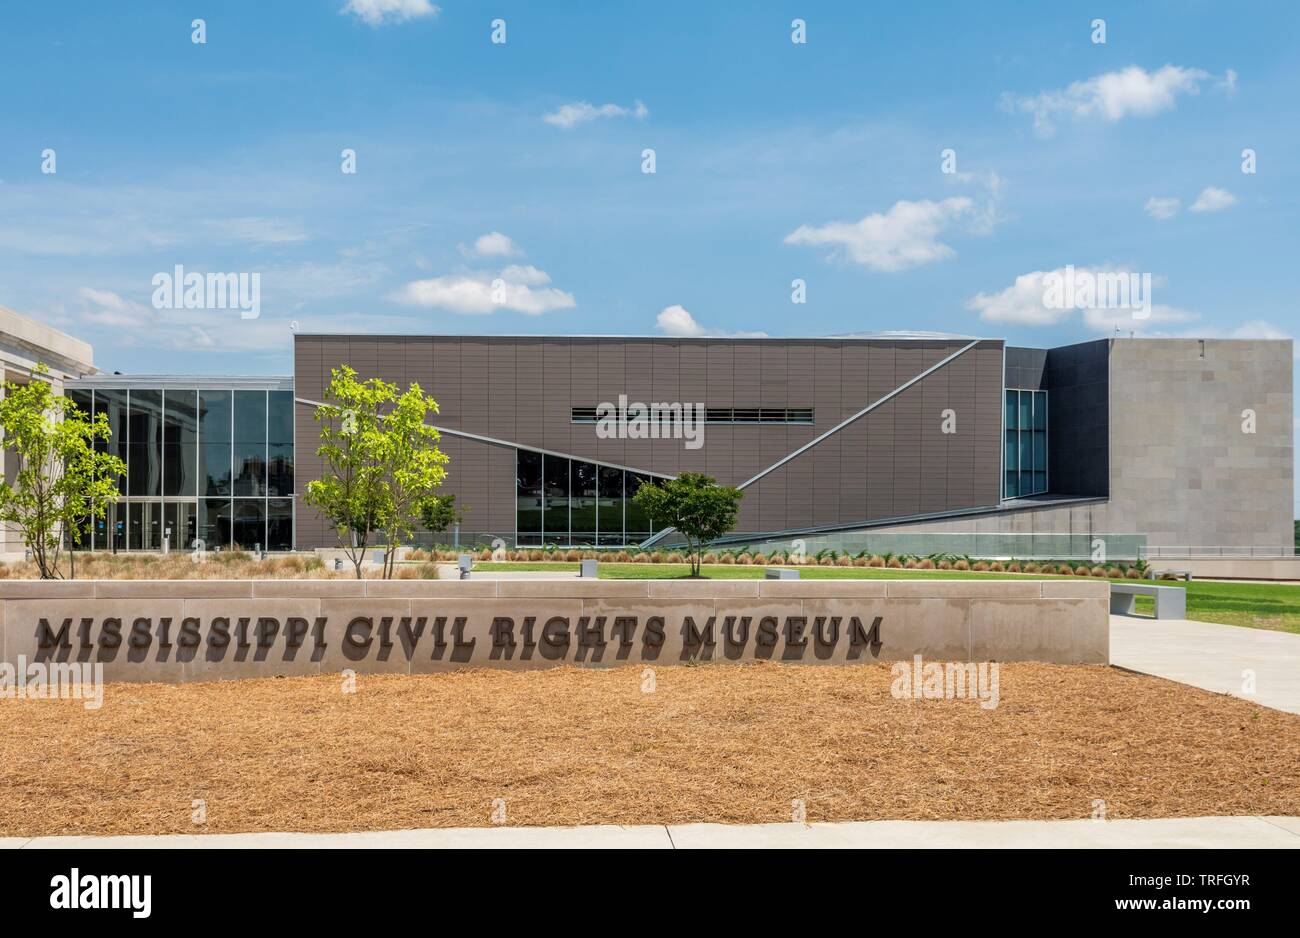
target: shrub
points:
(641, 557)
(1099, 571)
(675, 557)
(961, 564)
(1013, 567)
(709, 557)
(980, 567)
(727, 558)
(860, 561)
(843, 560)
(826, 561)
(910, 563)
(1065, 569)
(945, 564)
(895, 563)
(876, 561)
(1032, 567)
(925, 564)
(1132, 574)
(996, 567)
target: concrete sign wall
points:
(202, 630)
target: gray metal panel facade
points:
(894, 461)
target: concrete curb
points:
(1157, 833)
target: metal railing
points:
(1152, 553)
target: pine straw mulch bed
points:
(713, 743)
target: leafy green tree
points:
(438, 513)
(61, 481)
(415, 466)
(381, 461)
(695, 505)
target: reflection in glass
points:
(250, 468)
(611, 505)
(639, 524)
(582, 514)
(528, 507)
(144, 446)
(214, 522)
(280, 470)
(250, 417)
(279, 524)
(280, 418)
(555, 480)
(250, 523)
(180, 436)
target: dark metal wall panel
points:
(522, 389)
(1078, 413)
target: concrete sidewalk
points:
(1212, 657)
(1210, 832)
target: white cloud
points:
(1131, 91)
(569, 116)
(495, 244)
(1024, 303)
(1021, 303)
(903, 237)
(1213, 199)
(1162, 208)
(1258, 329)
(477, 293)
(1111, 320)
(135, 323)
(381, 12)
(676, 320)
(527, 274)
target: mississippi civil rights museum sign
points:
(554, 638)
(178, 630)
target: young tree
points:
(414, 466)
(694, 504)
(438, 513)
(382, 461)
(62, 481)
(352, 493)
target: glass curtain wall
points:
(575, 502)
(1025, 449)
(205, 467)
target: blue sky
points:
(774, 161)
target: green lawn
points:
(1254, 605)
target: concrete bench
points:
(1153, 574)
(1171, 601)
(780, 573)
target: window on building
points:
(1025, 447)
(188, 451)
(745, 415)
(576, 502)
(528, 507)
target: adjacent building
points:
(907, 442)
(926, 442)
